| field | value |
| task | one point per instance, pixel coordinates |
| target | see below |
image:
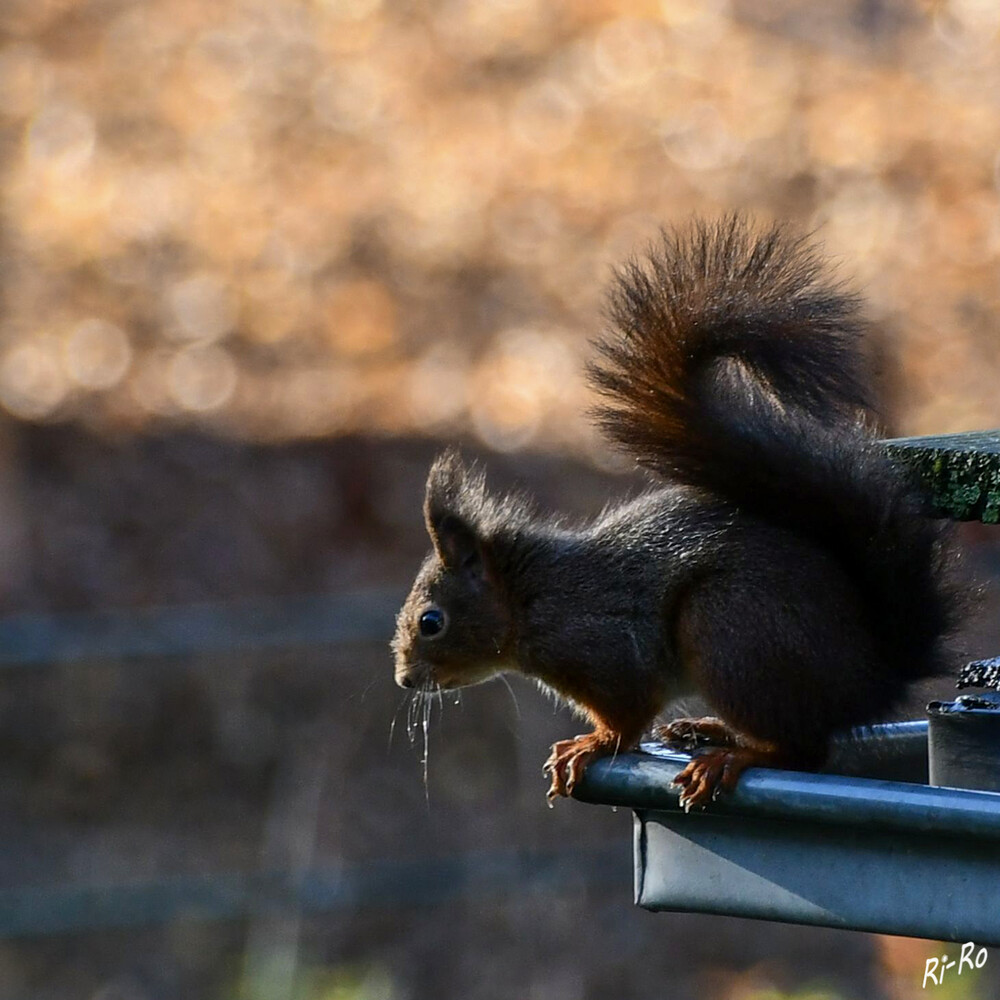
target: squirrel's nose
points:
(404, 680)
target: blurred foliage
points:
(317, 982)
(289, 218)
(808, 994)
(904, 964)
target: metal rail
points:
(643, 781)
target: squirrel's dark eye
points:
(432, 622)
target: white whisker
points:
(368, 688)
(395, 715)
(427, 699)
(513, 697)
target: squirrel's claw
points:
(699, 780)
(714, 771)
(569, 759)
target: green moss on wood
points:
(961, 471)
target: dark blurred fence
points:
(233, 896)
(39, 641)
(252, 624)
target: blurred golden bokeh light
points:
(316, 217)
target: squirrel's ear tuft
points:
(454, 494)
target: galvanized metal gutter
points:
(827, 849)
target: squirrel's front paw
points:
(569, 759)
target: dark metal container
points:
(964, 742)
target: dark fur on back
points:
(734, 366)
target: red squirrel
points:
(781, 567)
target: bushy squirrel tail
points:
(734, 365)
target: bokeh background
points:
(260, 258)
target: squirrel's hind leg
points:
(777, 645)
(686, 734)
(724, 754)
(717, 769)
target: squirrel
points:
(782, 567)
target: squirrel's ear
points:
(453, 495)
(457, 544)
